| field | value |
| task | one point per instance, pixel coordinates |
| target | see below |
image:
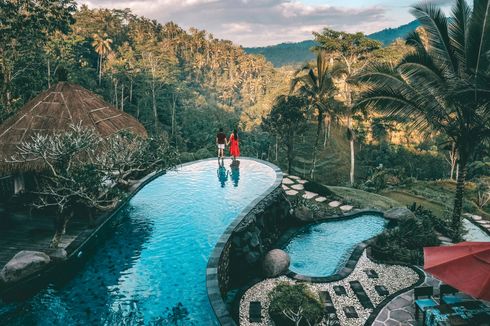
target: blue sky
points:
(267, 22)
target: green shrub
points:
(293, 298)
(203, 153)
(186, 157)
(406, 242)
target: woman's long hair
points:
(235, 134)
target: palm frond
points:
(458, 29)
(434, 22)
(478, 43)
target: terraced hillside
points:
(333, 160)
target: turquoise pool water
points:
(322, 249)
(152, 270)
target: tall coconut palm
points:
(316, 83)
(444, 84)
(102, 45)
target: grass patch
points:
(365, 199)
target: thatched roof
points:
(54, 110)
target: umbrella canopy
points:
(465, 266)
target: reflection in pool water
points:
(322, 249)
(153, 268)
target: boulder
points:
(399, 213)
(275, 263)
(56, 254)
(24, 264)
(304, 214)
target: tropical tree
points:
(87, 171)
(444, 84)
(317, 84)
(102, 45)
(286, 120)
(350, 49)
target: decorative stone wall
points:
(237, 255)
(252, 239)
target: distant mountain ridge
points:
(296, 53)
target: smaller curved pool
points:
(320, 250)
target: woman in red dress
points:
(233, 143)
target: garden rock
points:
(334, 204)
(304, 214)
(399, 213)
(275, 263)
(56, 254)
(23, 264)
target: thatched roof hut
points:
(55, 110)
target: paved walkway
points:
(401, 310)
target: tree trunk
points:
(352, 150)
(154, 104)
(277, 148)
(61, 222)
(453, 159)
(122, 97)
(458, 199)
(100, 69)
(131, 91)
(317, 140)
(290, 151)
(49, 74)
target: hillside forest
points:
(185, 84)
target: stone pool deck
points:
(21, 231)
(393, 278)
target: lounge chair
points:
(423, 300)
(255, 312)
(448, 294)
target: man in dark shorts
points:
(220, 142)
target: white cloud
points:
(258, 22)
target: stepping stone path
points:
(346, 208)
(298, 187)
(285, 187)
(287, 181)
(474, 217)
(302, 182)
(309, 195)
(320, 199)
(291, 192)
(334, 204)
(294, 177)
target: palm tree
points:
(318, 86)
(444, 84)
(102, 46)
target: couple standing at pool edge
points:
(221, 142)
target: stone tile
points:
(399, 303)
(309, 195)
(302, 181)
(287, 181)
(285, 187)
(383, 316)
(320, 199)
(298, 187)
(346, 208)
(400, 315)
(294, 177)
(291, 192)
(476, 217)
(334, 204)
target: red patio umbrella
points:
(465, 266)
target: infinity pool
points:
(322, 249)
(152, 270)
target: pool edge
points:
(212, 270)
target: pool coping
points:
(212, 282)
